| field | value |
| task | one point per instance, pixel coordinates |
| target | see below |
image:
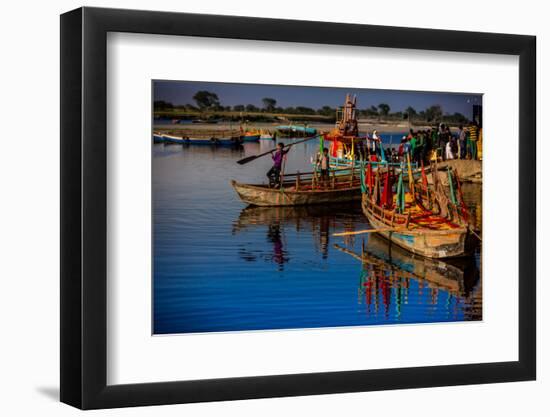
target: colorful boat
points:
(301, 189)
(419, 231)
(251, 136)
(404, 220)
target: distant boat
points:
(292, 130)
(251, 136)
(212, 141)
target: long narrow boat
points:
(212, 141)
(301, 189)
(172, 139)
(157, 138)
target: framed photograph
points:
(257, 208)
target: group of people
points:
(422, 145)
(438, 142)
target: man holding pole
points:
(274, 174)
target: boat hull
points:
(173, 139)
(425, 242)
(251, 138)
(201, 141)
(261, 195)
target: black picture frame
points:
(84, 207)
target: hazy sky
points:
(230, 94)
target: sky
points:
(230, 94)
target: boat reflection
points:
(317, 221)
(387, 272)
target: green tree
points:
(206, 99)
(251, 108)
(384, 109)
(269, 103)
(162, 105)
(434, 113)
(304, 110)
(410, 112)
(326, 111)
(371, 111)
(238, 107)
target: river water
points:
(222, 266)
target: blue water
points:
(222, 266)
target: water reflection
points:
(318, 221)
(387, 270)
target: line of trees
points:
(208, 101)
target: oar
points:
(253, 157)
(360, 232)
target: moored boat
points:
(212, 141)
(157, 138)
(172, 139)
(251, 136)
(402, 218)
(295, 131)
(419, 231)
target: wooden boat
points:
(301, 189)
(292, 131)
(251, 136)
(215, 141)
(157, 138)
(172, 139)
(416, 229)
(230, 141)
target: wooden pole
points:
(360, 232)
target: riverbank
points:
(365, 126)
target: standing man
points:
(274, 174)
(474, 131)
(323, 165)
(442, 140)
(461, 142)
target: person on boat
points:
(406, 148)
(323, 164)
(461, 142)
(274, 174)
(474, 131)
(376, 142)
(449, 150)
(442, 140)
(414, 147)
(401, 149)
